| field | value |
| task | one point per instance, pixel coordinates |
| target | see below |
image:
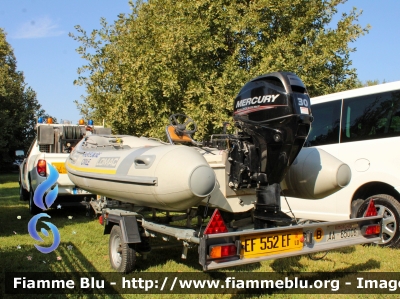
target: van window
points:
(371, 117)
(325, 127)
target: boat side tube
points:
(166, 177)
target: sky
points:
(38, 31)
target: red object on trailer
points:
(371, 209)
(216, 225)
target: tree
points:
(18, 103)
(194, 56)
(360, 84)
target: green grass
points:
(90, 252)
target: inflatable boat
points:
(151, 173)
(272, 115)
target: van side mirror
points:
(19, 153)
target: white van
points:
(361, 127)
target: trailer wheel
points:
(122, 256)
(389, 207)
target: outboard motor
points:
(273, 116)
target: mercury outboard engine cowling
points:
(272, 113)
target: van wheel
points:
(389, 208)
(33, 209)
(122, 256)
(23, 194)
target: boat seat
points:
(173, 137)
(95, 140)
(104, 141)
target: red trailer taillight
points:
(374, 229)
(223, 250)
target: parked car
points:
(52, 147)
(360, 127)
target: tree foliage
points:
(194, 56)
(367, 83)
(18, 105)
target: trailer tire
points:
(389, 207)
(122, 255)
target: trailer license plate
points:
(60, 167)
(260, 245)
(343, 231)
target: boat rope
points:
(290, 209)
(204, 215)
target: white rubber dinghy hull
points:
(166, 177)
